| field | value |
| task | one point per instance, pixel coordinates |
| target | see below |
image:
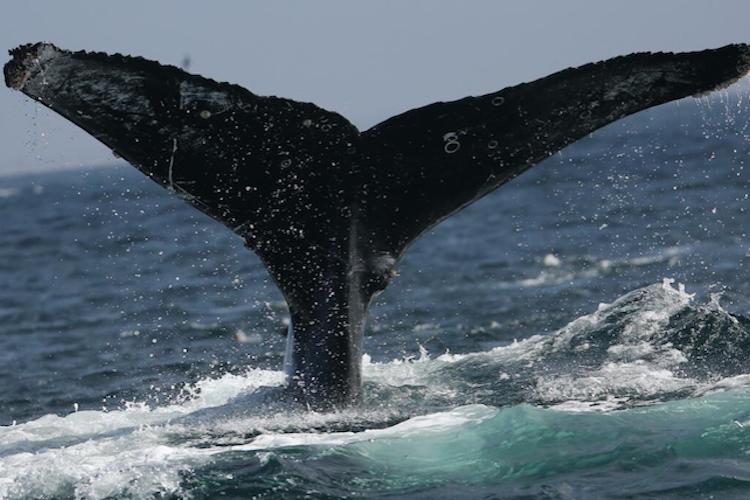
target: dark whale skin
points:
(330, 209)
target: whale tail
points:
(328, 209)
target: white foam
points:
(399, 372)
(422, 425)
(723, 385)
(146, 461)
(206, 393)
(98, 454)
(140, 463)
(551, 260)
(613, 379)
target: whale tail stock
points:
(328, 209)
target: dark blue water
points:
(582, 332)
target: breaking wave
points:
(650, 379)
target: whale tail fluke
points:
(247, 159)
(329, 209)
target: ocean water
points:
(582, 332)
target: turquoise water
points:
(583, 332)
(672, 449)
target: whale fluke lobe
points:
(328, 209)
(448, 154)
(231, 153)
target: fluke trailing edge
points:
(327, 208)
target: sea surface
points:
(582, 332)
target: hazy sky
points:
(366, 60)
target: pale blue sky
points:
(366, 60)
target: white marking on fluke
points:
(171, 164)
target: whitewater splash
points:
(675, 370)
